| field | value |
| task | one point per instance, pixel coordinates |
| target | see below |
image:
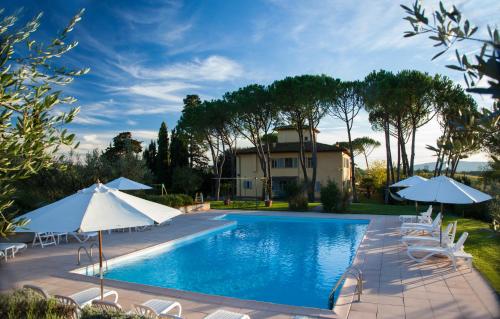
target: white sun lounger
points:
(448, 237)
(424, 217)
(224, 314)
(156, 307)
(85, 297)
(454, 252)
(13, 248)
(428, 228)
(84, 237)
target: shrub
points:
(26, 304)
(346, 200)
(480, 211)
(331, 197)
(94, 313)
(185, 180)
(295, 194)
(172, 200)
(368, 183)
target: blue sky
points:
(146, 55)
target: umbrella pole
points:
(100, 264)
(416, 211)
(441, 227)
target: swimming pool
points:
(285, 260)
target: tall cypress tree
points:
(162, 158)
(149, 156)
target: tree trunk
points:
(438, 158)
(398, 171)
(353, 176)
(366, 160)
(412, 156)
(302, 155)
(314, 160)
(389, 161)
(404, 155)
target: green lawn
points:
(253, 205)
(482, 243)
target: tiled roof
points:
(294, 147)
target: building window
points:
(247, 184)
(288, 162)
(346, 162)
(306, 138)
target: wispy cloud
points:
(212, 68)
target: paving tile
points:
(390, 300)
(418, 312)
(364, 307)
(353, 314)
(390, 311)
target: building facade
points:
(333, 164)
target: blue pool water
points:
(293, 261)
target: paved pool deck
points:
(394, 286)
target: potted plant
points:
(268, 202)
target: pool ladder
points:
(356, 273)
(89, 254)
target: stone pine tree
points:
(196, 147)
(162, 170)
(179, 153)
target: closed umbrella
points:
(444, 190)
(126, 184)
(97, 208)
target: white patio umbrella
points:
(408, 182)
(126, 184)
(97, 208)
(444, 190)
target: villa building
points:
(333, 164)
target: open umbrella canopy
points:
(126, 184)
(442, 189)
(95, 208)
(410, 181)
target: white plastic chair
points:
(424, 218)
(448, 237)
(44, 239)
(454, 252)
(156, 307)
(428, 228)
(59, 236)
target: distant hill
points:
(463, 166)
